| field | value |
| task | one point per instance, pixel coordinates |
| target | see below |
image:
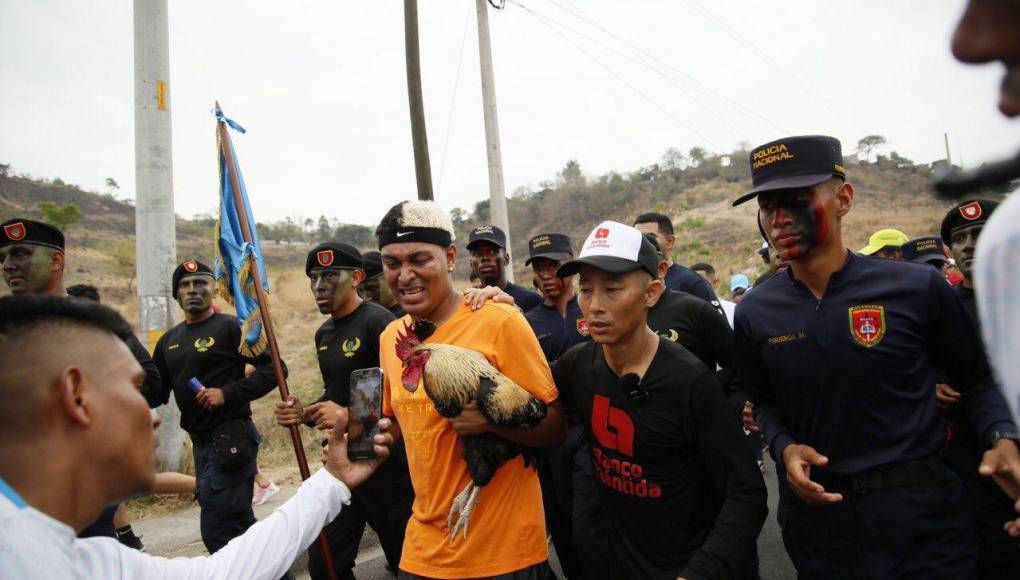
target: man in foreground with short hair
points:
(841, 353)
(490, 259)
(79, 408)
(682, 494)
(678, 278)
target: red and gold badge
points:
(16, 231)
(582, 327)
(324, 258)
(971, 211)
(191, 266)
(867, 324)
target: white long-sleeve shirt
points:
(997, 286)
(36, 546)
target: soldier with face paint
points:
(205, 347)
(32, 256)
(375, 288)
(348, 341)
(840, 353)
(998, 556)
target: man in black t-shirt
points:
(346, 342)
(682, 494)
(205, 347)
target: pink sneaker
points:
(264, 493)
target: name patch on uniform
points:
(582, 327)
(350, 346)
(867, 324)
(787, 337)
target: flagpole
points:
(267, 323)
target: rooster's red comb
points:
(406, 341)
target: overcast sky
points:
(321, 88)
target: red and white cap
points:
(615, 248)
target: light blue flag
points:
(233, 253)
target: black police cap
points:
(968, 213)
(924, 250)
(794, 162)
(25, 231)
(555, 247)
(334, 255)
(371, 262)
(187, 268)
(490, 234)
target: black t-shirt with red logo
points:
(682, 492)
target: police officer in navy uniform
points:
(348, 341)
(678, 278)
(205, 347)
(565, 469)
(489, 258)
(840, 353)
(925, 250)
(998, 554)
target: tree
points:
(482, 211)
(61, 217)
(323, 231)
(123, 254)
(356, 235)
(900, 161)
(112, 184)
(5, 169)
(458, 216)
(674, 160)
(698, 155)
(571, 173)
(868, 144)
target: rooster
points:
(454, 376)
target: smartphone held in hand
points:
(364, 413)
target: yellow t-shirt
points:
(507, 529)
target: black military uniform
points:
(208, 351)
(681, 492)
(852, 375)
(524, 298)
(998, 554)
(344, 345)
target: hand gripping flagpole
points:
(226, 149)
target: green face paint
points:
(330, 287)
(26, 267)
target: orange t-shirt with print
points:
(507, 529)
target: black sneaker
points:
(129, 539)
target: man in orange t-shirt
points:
(508, 537)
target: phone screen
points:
(364, 412)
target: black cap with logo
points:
(554, 247)
(794, 162)
(924, 250)
(968, 213)
(334, 255)
(24, 231)
(490, 234)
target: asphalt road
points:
(177, 535)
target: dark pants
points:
(224, 497)
(591, 538)
(102, 527)
(554, 475)
(539, 571)
(383, 502)
(916, 531)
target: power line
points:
(675, 81)
(698, 84)
(453, 99)
(641, 94)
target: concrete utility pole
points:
(155, 237)
(419, 138)
(949, 160)
(497, 196)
